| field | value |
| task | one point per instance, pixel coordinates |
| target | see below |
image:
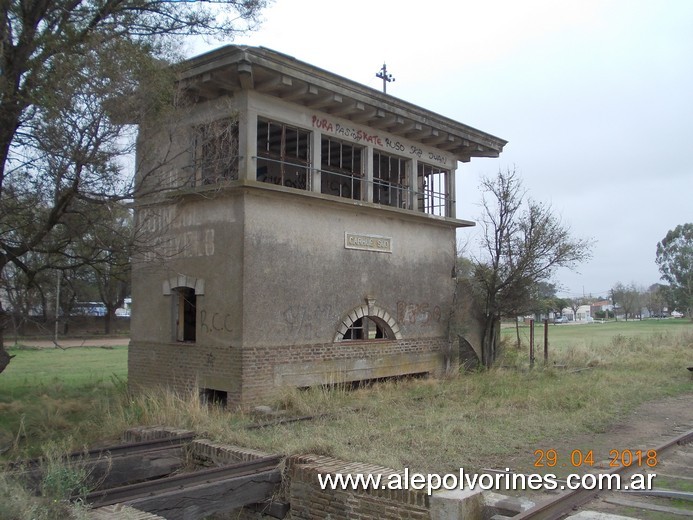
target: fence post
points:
(531, 342)
(546, 341)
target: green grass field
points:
(595, 334)
(46, 393)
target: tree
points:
(574, 304)
(522, 244)
(675, 261)
(110, 270)
(656, 299)
(628, 299)
(73, 75)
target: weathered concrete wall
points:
(467, 321)
(277, 284)
(301, 281)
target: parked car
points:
(561, 319)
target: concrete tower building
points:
(300, 229)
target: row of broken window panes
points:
(432, 197)
(354, 186)
(284, 159)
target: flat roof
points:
(236, 67)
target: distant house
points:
(584, 313)
(601, 306)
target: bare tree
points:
(522, 244)
(574, 304)
(73, 76)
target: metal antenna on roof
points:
(382, 74)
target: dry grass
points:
(474, 420)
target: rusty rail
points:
(116, 450)
(124, 494)
(564, 503)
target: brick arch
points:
(181, 280)
(372, 311)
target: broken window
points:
(283, 154)
(433, 197)
(341, 169)
(368, 328)
(215, 152)
(185, 312)
(389, 180)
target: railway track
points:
(152, 476)
(118, 464)
(674, 456)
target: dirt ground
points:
(649, 426)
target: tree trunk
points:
(489, 342)
(108, 320)
(4, 356)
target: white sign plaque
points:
(368, 242)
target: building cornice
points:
(233, 68)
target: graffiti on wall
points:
(421, 313)
(214, 322)
(359, 136)
(303, 321)
(175, 234)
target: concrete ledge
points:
(320, 372)
(496, 503)
(457, 505)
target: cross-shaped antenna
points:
(382, 74)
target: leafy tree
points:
(656, 299)
(73, 74)
(628, 299)
(522, 244)
(675, 261)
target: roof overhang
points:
(232, 68)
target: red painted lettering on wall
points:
(322, 124)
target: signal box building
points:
(300, 230)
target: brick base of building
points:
(254, 375)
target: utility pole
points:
(387, 78)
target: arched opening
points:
(366, 323)
(368, 327)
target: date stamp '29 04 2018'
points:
(551, 458)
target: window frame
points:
(293, 170)
(433, 200)
(384, 181)
(368, 328)
(184, 315)
(333, 166)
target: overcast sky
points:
(595, 99)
